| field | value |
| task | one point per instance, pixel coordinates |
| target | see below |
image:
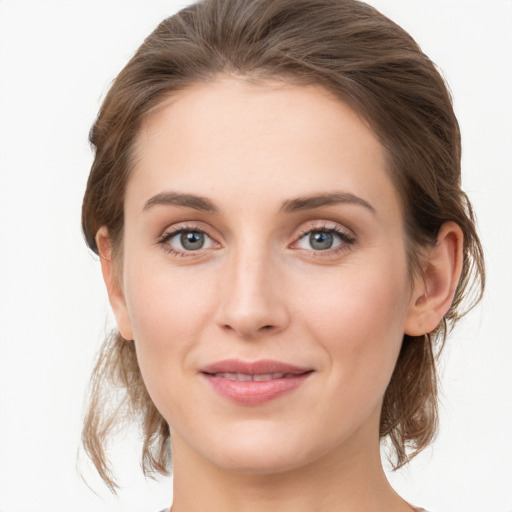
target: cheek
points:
(165, 302)
(358, 317)
(168, 311)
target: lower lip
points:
(255, 392)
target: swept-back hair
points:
(369, 63)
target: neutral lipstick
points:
(254, 383)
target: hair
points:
(370, 64)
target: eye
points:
(190, 240)
(324, 239)
(182, 241)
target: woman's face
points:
(264, 274)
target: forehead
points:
(273, 139)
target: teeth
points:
(243, 377)
(265, 376)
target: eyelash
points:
(169, 235)
(345, 240)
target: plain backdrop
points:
(57, 59)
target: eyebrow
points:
(320, 200)
(292, 205)
(178, 199)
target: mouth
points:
(254, 383)
(244, 377)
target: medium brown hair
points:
(369, 63)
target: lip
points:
(278, 378)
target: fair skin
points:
(226, 256)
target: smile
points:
(254, 383)
(244, 377)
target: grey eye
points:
(321, 240)
(192, 240)
(188, 240)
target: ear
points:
(111, 276)
(434, 290)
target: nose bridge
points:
(252, 301)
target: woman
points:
(276, 203)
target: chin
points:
(263, 451)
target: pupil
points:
(192, 240)
(321, 240)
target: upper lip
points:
(261, 367)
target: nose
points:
(252, 298)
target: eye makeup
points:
(187, 240)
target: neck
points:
(348, 480)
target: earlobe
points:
(435, 288)
(113, 284)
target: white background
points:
(57, 59)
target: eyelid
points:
(171, 231)
(182, 226)
(346, 236)
(324, 225)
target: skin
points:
(258, 290)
